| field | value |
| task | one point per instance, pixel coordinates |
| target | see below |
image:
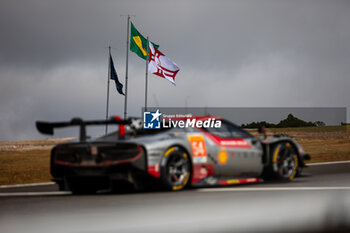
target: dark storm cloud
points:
(53, 60)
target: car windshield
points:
(228, 130)
(140, 131)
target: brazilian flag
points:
(138, 43)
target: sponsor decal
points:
(201, 171)
(234, 143)
(222, 157)
(211, 180)
(239, 181)
(228, 142)
(199, 152)
(232, 181)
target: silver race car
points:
(172, 157)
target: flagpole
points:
(126, 70)
(146, 85)
(108, 76)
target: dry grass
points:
(27, 166)
(324, 150)
(28, 161)
(324, 144)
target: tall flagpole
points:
(146, 86)
(108, 77)
(126, 70)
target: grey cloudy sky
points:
(249, 53)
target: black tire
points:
(77, 189)
(176, 169)
(61, 186)
(283, 162)
(121, 186)
(299, 170)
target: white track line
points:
(20, 194)
(328, 163)
(26, 185)
(233, 189)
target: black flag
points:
(114, 76)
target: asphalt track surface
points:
(316, 202)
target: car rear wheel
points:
(176, 169)
(61, 185)
(86, 184)
(284, 162)
(79, 189)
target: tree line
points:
(290, 121)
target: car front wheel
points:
(284, 162)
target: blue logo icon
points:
(151, 120)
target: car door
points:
(238, 154)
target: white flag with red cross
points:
(160, 65)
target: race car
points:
(205, 153)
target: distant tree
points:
(292, 121)
(319, 123)
(259, 124)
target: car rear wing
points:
(48, 127)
